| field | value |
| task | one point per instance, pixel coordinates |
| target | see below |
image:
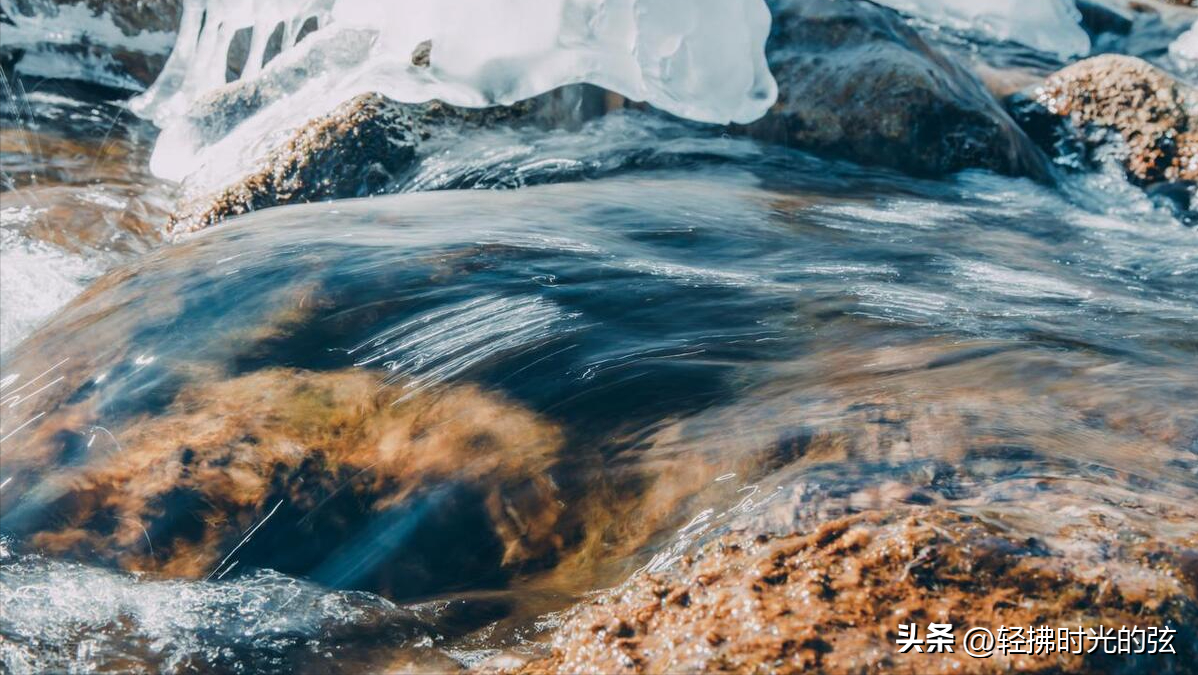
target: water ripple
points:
(443, 343)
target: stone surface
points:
(337, 482)
(356, 150)
(131, 16)
(856, 82)
(1121, 106)
(830, 599)
(353, 151)
(1153, 114)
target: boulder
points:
(831, 598)
(1122, 106)
(333, 476)
(357, 150)
(856, 82)
(354, 151)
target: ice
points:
(50, 28)
(1047, 25)
(65, 617)
(1184, 51)
(698, 59)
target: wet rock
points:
(1121, 107)
(353, 151)
(829, 599)
(334, 478)
(856, 82)
(928, 436)
(130, 16)
(1099, 17)
(422, 54)
(131, 60)
(359, 149)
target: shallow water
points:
(716, 333)
(77, 196)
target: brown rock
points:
(354, 151)
(830, 600)
(422, 54)
(856, 82)
(1155, 116)
(335, 480)
(1149, 118)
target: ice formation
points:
(699, 59)
(1184, 50)
(50, 34)
(1047, 25)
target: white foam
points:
(441, 344)
(699, 59)
(994, 279)
(66, 617)
(1047, 25)
(35, 278)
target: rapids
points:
(694, 312)
(408, 433)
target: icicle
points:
(700, 59)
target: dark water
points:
(723, 333)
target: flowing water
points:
(664, 332)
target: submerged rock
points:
(324, 475)
(831, 599)
(1119, 106)
(856, 82)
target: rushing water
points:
(711, 331)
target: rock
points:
(353, 151)
(337, 481)
(130, 16)
(357, 150)
(856, 82)
(131, 60)
(830, 599)
(1118, 105)
(422, 54)
(1099, 17)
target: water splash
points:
(67, 617)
